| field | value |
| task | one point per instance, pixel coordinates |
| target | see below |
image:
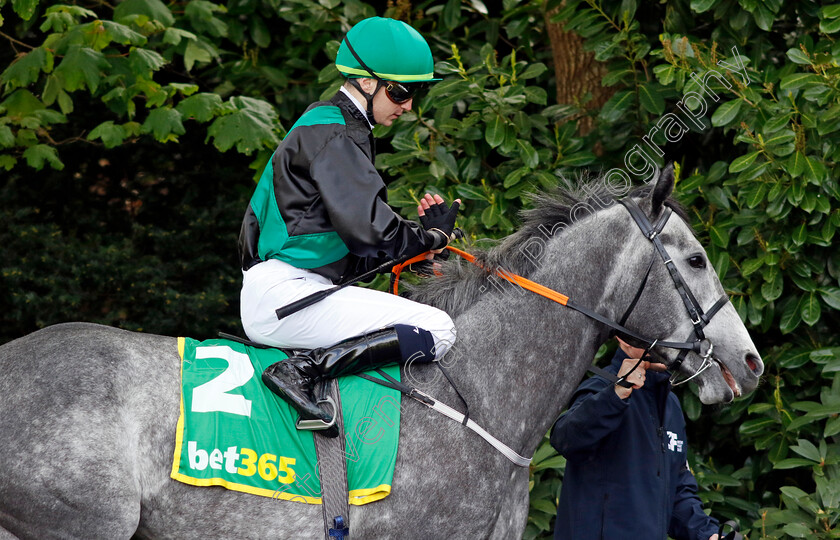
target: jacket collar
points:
(345, 103)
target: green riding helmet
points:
(393, 50)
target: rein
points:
(700, 345)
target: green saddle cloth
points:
(234, 432)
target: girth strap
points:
(332, 468)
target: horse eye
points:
(697, 261)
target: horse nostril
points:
(754, 363)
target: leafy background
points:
(130, 136)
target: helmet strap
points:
(368, 97)
(379, 82)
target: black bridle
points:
(699, 319)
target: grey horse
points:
(88, 413)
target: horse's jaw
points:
(735, 371)
(720, 384)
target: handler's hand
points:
(637, 377)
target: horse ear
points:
(662, 190)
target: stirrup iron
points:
(316, 424)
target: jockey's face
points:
(385, 111)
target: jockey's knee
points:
(443, 332)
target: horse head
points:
(684, 301)
(580, 242)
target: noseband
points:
(699, 319)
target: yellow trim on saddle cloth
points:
(179, 429)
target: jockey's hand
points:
(430, 266)
(436, 214)
(423, 268)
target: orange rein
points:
(525, 283)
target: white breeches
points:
(347, 313)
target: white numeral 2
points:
(213, 396)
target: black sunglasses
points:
(399, 93)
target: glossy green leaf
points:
(790, 316)
(771, 290)
(830, 12)
(751, 265)
(795, 165)
(811, 309)
(743, 162)
(719, 236)
(703, 5)
(831, 296)
(799, 80)
(753, 427)
(468, 191)
(806, 449)
(797, 56)
(616, 106)
(490, 216)
(830, 26)
(814, 170)
(726, 114)
(532, 71)
(651, 99)
(494, 133)
(528, 153)
(800, 234)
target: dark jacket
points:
(626, 471)
(320, 203)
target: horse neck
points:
(519, 356)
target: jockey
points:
(319, 216)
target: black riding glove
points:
(426, 268)
(440, 218)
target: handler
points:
(626, 472)
(319, 216)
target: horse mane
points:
(462, 282)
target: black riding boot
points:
(294, 379)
